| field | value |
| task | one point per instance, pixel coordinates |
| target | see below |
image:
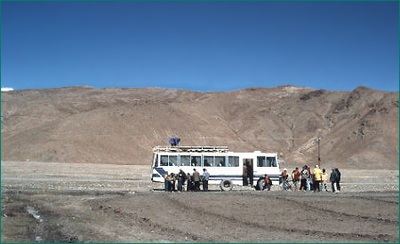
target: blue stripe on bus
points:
(236, 177)
(161, 171)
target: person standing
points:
(245, 176)
(181, 179)
(296, 178)
(205, 177)
(309, 178)
(304, 177)
(324, 178)
(196, 179)
(189, 183)
(250, 173)
(166, 182)
(332, 179)
(284, 177)
(172, 180)
(338, 175)
(317, 178)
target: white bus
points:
(226, 168)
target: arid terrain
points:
(62, 202)
(357, 129)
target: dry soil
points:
(60, 202)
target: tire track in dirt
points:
(197, 211)
(378, 200)
(146, 223)
(186, 210)
(305, 205)
(231, 219)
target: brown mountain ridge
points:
(357, 129)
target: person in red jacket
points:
(267, 183)
(296, 175)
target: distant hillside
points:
(358, 129)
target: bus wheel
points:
(226, 185)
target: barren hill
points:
(357, 129)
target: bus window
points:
(233, 161)
(185, 160)
(195, 161)
(208, 161)
(173, 160)
(271, 162)
(261, 162)
(220, 161)
(164, 160)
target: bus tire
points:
(226, 185)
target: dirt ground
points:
(59, 202)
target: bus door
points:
(248, 164)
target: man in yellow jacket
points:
(317, 178)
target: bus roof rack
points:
(191, 149)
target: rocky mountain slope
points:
(357, 129)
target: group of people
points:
(310, 180)
(176, 182)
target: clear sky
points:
(202, 46)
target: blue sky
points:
(202, 46)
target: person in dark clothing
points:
(194, 161)
(250, 174)
(189, 183)
(172, 181)
(338, 174)
(333, 179)
(245, 176)
(304, 177)
(181, 179)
